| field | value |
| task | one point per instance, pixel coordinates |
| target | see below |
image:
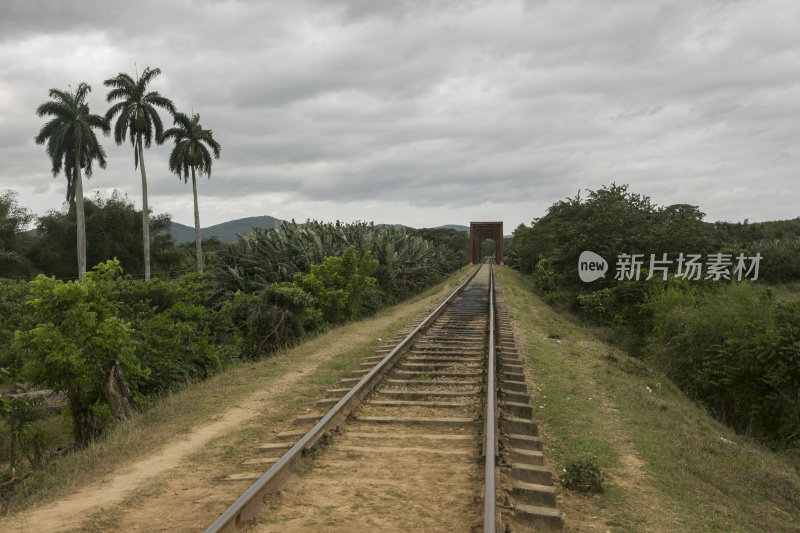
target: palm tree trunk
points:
(197, 245)
(80, 217)
(145, 211)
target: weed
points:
(583, 474)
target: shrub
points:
(340, 285)
(175, 346)
(81, 346)
(583, 474)
(277, 316)
(14, 315)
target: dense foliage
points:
(114, 227)
(406, 262)
(78, 341)
(14, 315)
(278, 315)
(728, 344)
(736, 349)
(609, 221)
(109, 342)
(13, 221)
(340, 285)
(455, 241)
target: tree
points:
(609, 221)
(190, 152)
(13, 221)
(114, 227)
(138, 117)
(72, 145)
(80, 346)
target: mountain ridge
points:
(228, 231)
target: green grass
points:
(669, 469)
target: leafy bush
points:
(277, 316)
(546, 279)
(178, 337)
(79, 346)
(736, 350)
(174, 347)
(108, 340)
(14, 315)
(340, 284)
(159, 295)
(583, 474)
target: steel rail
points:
(247, 507)
(490, 423)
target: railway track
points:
(434, 433)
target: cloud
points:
(414, 108)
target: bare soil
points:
(366, 488)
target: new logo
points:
(591, 266)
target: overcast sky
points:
(426, 112)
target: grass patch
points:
(670, 466)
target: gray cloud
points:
(413, 108)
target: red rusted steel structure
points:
(478, 231)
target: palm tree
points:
(72, 145)
(138, 116)
(190, 152)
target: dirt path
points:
(165, 485)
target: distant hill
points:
(226, 232)
(456, 227)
